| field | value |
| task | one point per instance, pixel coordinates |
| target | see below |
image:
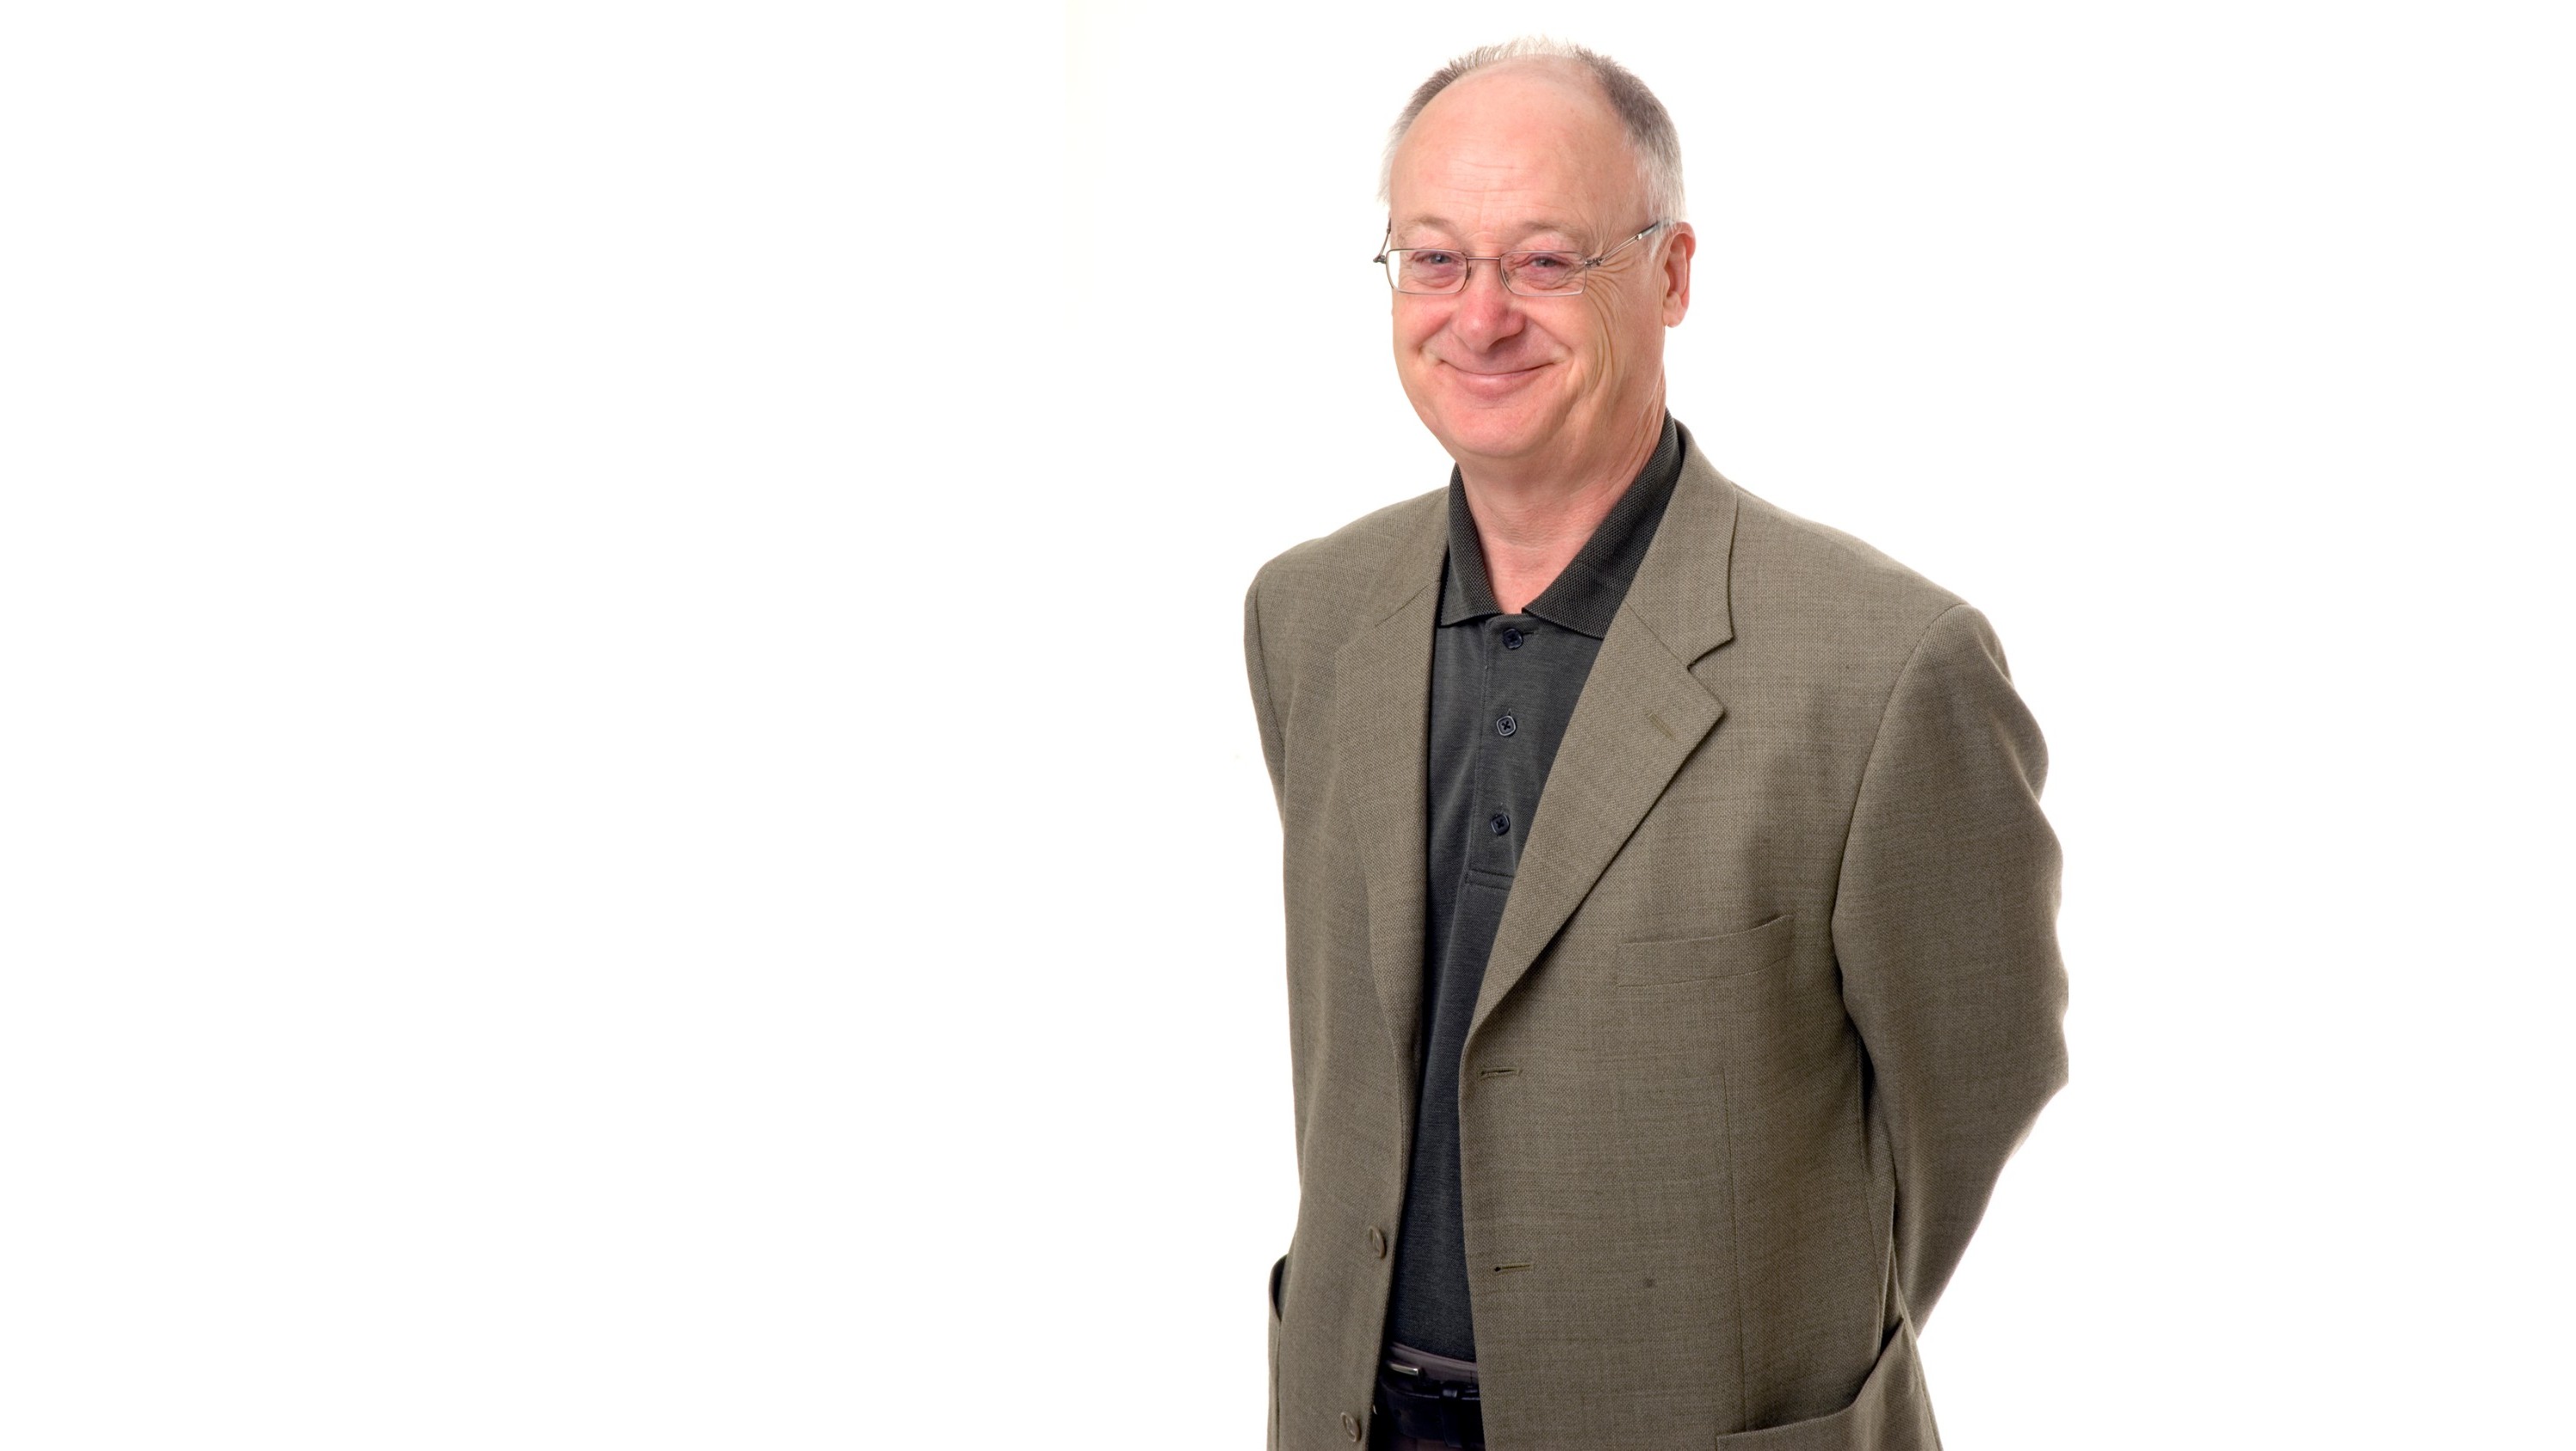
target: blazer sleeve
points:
(1264, 705)
(1945, 929)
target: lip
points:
(1494, 384)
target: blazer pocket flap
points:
(1694, 959)
(1890, 1412)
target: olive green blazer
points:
(1776, 992)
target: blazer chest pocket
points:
(1700, 959)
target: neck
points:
(1532, 518)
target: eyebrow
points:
(1565, 228)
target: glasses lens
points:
(1544, 274)
(1426, 269)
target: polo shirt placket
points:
(1503, 690)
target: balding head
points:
(1509, 128)
(1655, 146)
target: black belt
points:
(1418, 1400)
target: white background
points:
(627, 810)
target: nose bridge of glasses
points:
(1498, 268)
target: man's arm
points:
(1257, 666)
(1945, 927)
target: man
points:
(1671, 945)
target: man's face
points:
(1527, 156)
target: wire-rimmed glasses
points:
(1438, 271)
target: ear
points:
(1676, 273)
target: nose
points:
(1486, 311)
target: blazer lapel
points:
(1382, 686)
(1641, 713)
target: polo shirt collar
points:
(1586, 596)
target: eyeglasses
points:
(1441, 270)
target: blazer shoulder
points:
(1823, 590)
(1320, 587)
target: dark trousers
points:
(1426, 1402)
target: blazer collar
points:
(1640, 714)
(1382, 689)
(1682, 591)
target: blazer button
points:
(1377, 1242)
(1350, 1427)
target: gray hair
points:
(1651, 136)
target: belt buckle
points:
(1432, 1409)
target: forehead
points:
(1527, 145)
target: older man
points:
(1671, 946)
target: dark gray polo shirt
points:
(1503, 689)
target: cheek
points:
(1414, 326)
(1589, 344)
(1603, 315)
(1617, 339)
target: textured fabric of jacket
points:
(1775, 995)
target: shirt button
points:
(1350, 1427)
(1506, 726)
(1377, 1242)
(1502, 824)
(1511, 639)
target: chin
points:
(1493, 432)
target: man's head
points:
(1534, 146)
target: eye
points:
(1429, 269)
(1548, 264)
